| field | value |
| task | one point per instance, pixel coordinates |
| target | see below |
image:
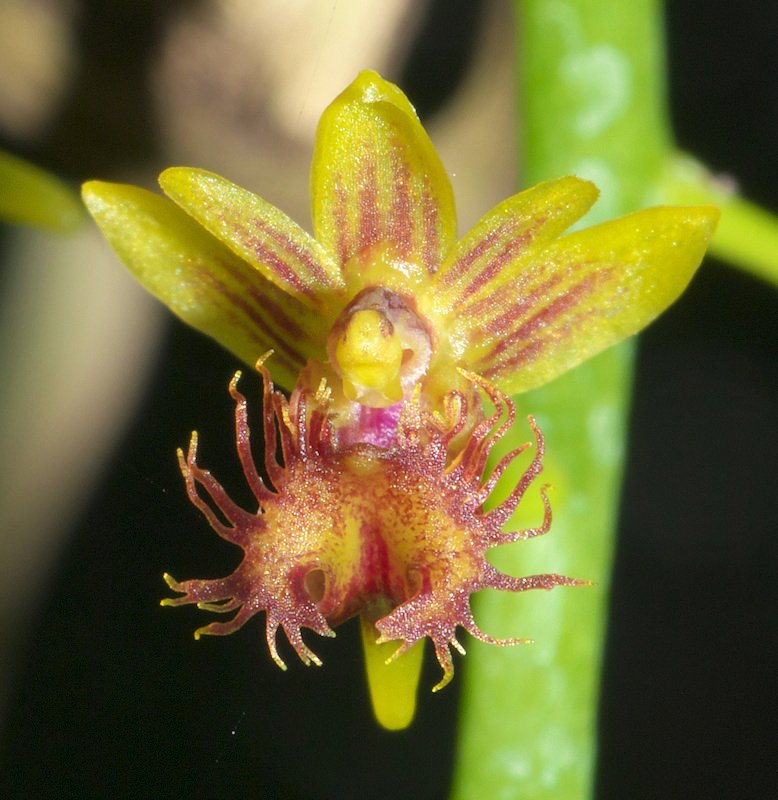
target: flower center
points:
(380, 347)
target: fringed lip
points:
(347, 529)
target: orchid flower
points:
(395, 339)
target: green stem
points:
(747, 236)
(31, 196)
(591, 99)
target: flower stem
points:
(31, 196)
(592, 103)
(747, 236)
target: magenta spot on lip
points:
(377, 426)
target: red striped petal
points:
(555, 306)
(377, 180)
(204, 282)
(258, 232)
(481, 262)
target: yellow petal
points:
(392, 686)
(482, 260)
(258, 232)
(564, 303)
(202, 281)
(376, 178)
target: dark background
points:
(115, 699)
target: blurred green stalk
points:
(31, 196)
(591, 100)
(747, 235)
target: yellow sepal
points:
(201, 280)
(392, 686)
(376, 179)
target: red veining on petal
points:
(500, 297)
(341, 221)
(283, 323)
(503, 324)
(515, 241)
(528, 341)
(518, 359)
(291, 358)
(401, 222)
(265, 255)
(369, 229)
(461, 266)
(536, 323)
(495, 264)
(270, 310)
(431, 232)
(294, 249)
